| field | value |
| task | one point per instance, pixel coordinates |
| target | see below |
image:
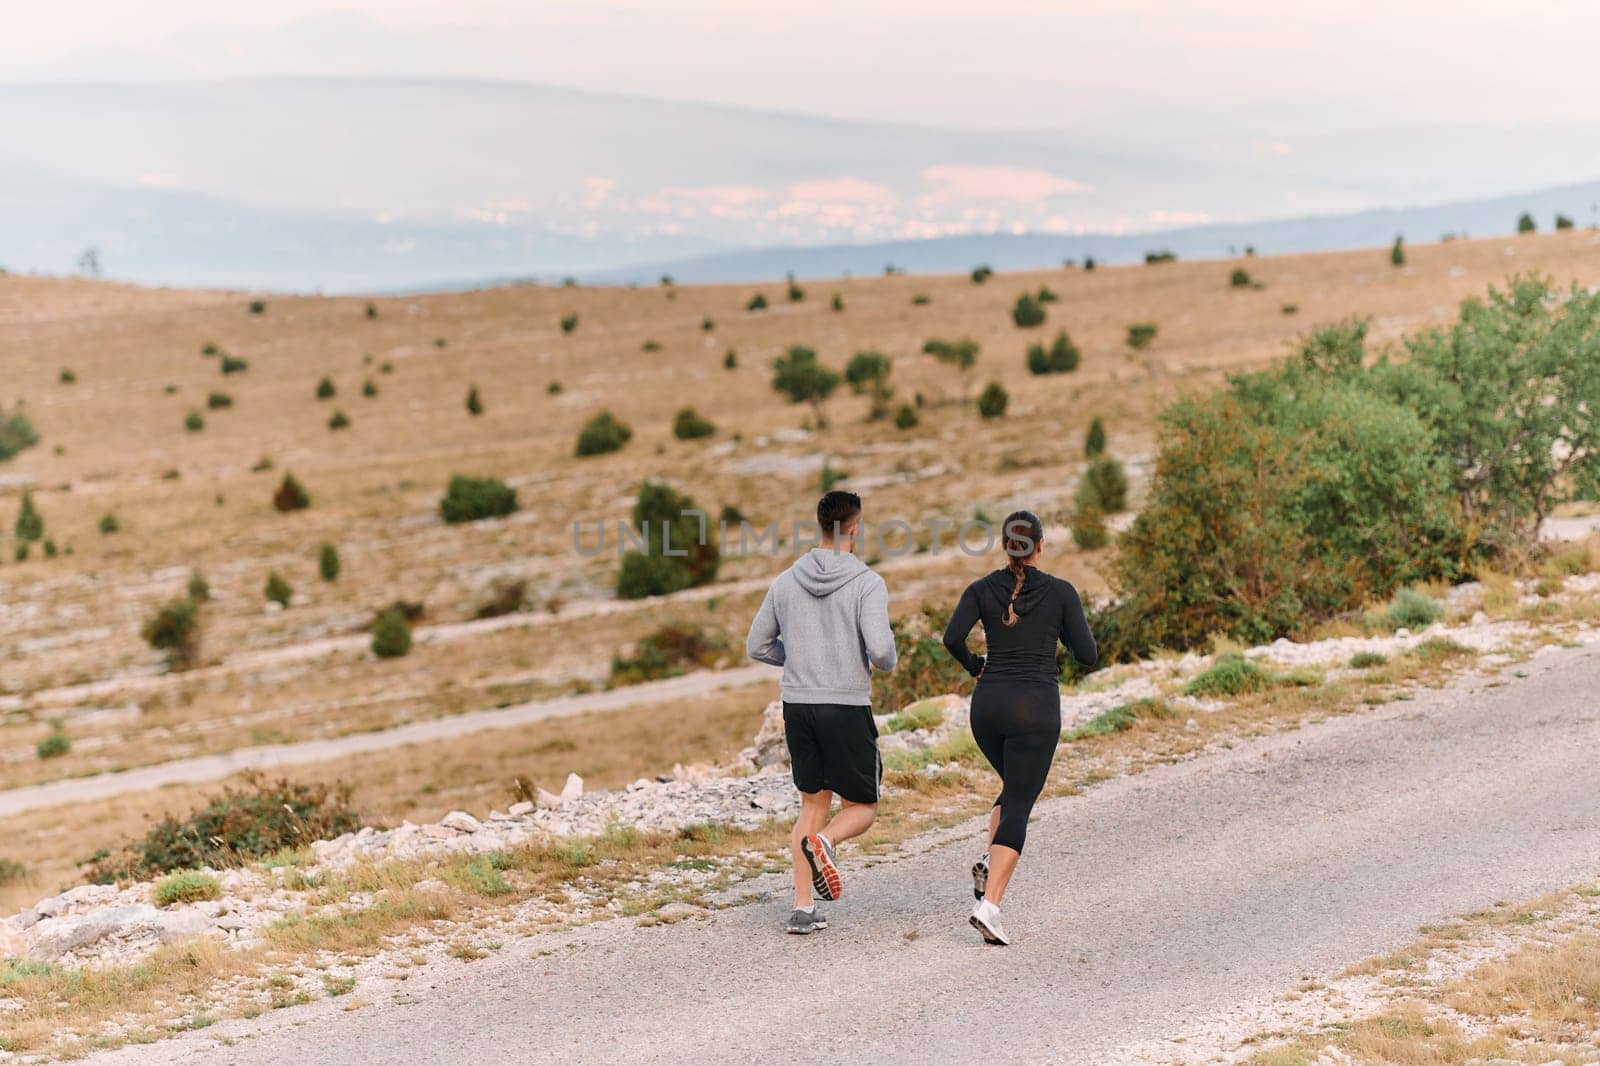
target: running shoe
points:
(980, 877)
(986, 920)
(802, 923)
(824, 874)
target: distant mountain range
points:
(379, 185)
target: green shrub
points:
(553, 388)
(1103, 487)
(796, 293)
(199, 589)
(391, 634)
(981, 274)
(291, 495)
(602, 434)
(30, 523)
(830, 476)
(185, 886)
(1165, 255)
(233, 364)
(1526, 224)
(924, 715)
(68, 377)
(474, 404)
(326, 390)
(730, 361)
(921, 299)
(1140, 334)
(1027, 312)
(1397, 252)
(925, 669)
(217, 401)
(16, 433)
(1089, 531)
(1047, 296)
(250, 821)
(11, 872)
(650, 346)
(569, 323)
(369, 388)
(1563, 222)
(838, 302)
(905, 417)
(194, 422)
(689, 425)
(1240, 278)
(707, 324)
(799, 377)
(1094, 442)
(961, 354)
(258, 307)
(993, 400)
(1088, 262)
(55, 745)
(372, 310)
(868, 370)
(671, 650)
(49, 548)
(20, 552)
(1290, 309)
(660, 518)
(1120, 719)
(758, 302)
(109, 523)
(471, 499)
(175, 628)
(1366, 660)
(328, 562)
(210, 349)
(1414, 610)
(1061, 357)
(1230, 675)
(339, 420)
(277, 590)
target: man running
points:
(826, 622)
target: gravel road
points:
(1145, 908)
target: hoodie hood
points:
(1035, 584)
(823, 571)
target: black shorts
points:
(833, 748)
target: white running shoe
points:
(980, 877)
(986, 920)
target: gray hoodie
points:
(826, 622)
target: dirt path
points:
(216, 767)
(1145, 908)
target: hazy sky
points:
(1154, 66)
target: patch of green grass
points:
(185, 886)
(924, 715)
(1438, 649)
(1413, 609)
(574, 853)
(480, 876)
(1120, 719)
(1366, 660)
(1230, 675)
(339, 986)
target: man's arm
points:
(876, 636)
(764, 644)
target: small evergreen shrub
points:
(981, 275)
(993, 400)
(1103, 487)
(664, 519)
(1165, 255)
(730, 361)
(68, 377)
(1526, 224)
(553, 388)
(328, 562)
(1047, 296)
(689, 425)
(1140, 334)
(258, 307)
(199, 589)
(1230, 675)
(187, 886)
(194, 421)
(386, 367)
(1088, 262)
(1089, 529)
(233, 364)
(339, 420)
(1397, 252)
(326, 389)
(1563, 222)
(109, 523)
(1061, 357)
(650, 346)
(175, 628)
(602, 434)
(53, 746)
(471, 499)
(921, 299)
(218, 401)
(1027, 312)
(672, 650)
(372, 310)
(210, 350)
(569, 323)
(291, 495)
(796, 293)
(16, 433)
(905, 417)
(758, 302)
(838, 302)
(1413, 610)
(1240, 278)
(30, 523)
(277, 589)
(707, 324)
(1094, 442)
(1366, 660)
(1290, 309)
(474, 404)
(369, 388)
(391, 634)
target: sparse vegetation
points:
(689, 424)
(55, 745)
(1412, 609)
(1230, 675)
(669, 651)
(473, 499)
(326, 390)
(277, 589)
(68, 376)
(799, 377)
(1094, 442)
(290, 495)
(1140, 334)
(1061, 357)
(328, 562)
(16, 433)
(1027, 312)
(185, 886)
(175, 627)
(961, 354)
(602, 434)
(1165, 255)
(109, 523)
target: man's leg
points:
(852, 820)
(814, 807)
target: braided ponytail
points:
(1020, 536)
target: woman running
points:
(1016, 707)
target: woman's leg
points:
(1027, 758)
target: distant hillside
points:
(1006, 251)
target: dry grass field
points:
(114, 442)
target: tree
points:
(1240, 278)
(993, 400)
(1094, 442)
(1060, 358)
(1563, 221)
(1028, 312)
(868, 372)
(796, 293)
(905, 417)
(798, 376)
(1526, 224)
(961, 354)
(758, 302)
(1397, 253)
(981, 274)
(30, 524)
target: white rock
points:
(519, 809)
(546, 799)
(431, 884)
(461, 822)
(573, 789)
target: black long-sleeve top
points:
(1048, 610)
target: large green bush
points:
(668, 520)
(391, 634)
(994, 399)
(175, 628)
(1061, 357)
(690, 424)
(1027, 312)
(602, 434)
(1103, 487)
(16, 433)
(925, 668)
(30, 524)
(470, 499)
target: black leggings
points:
(1017, 724)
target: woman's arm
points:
(1075, 628)
(955, 634)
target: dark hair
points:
(1020, 535)
(836, 509)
